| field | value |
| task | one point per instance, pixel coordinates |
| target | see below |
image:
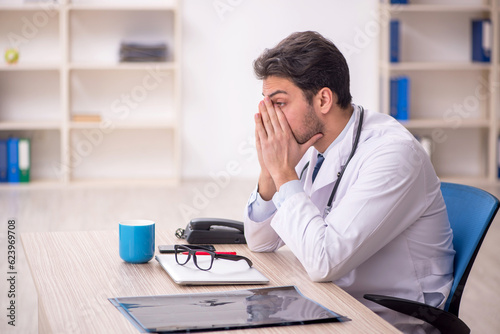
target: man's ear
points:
(326, 98)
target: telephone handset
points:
(212, 231)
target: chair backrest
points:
(470, 211)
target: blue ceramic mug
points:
(137, 240)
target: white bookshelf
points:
(453, 100)
(69, 65)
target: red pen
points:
(205, 253)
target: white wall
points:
(221, 38)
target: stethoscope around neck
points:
(342, 169)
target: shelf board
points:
(129, 182)
(94, 182)
(37, 183)
(166, 66)
(148, 124)
(405, 8)
(30, 67)
(30, 6)
(437, 66)
(145, 6)
(31, 125)
(442, 123)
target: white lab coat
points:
(388, 231)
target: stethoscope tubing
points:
(341, 173)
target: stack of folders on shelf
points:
(15, 162)
(400, 98)
(140, 52)
(481, 40)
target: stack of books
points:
(15, 161)
(139, 52)
(400, 98)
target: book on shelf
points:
(393, 97)
(86, 118)
(24, 162)
(399, 98)
(15, 160)
(498, 156)
(394, 41)
(481, 40)
(143, 52)
(4, 166)
(12, 160)
(399, 2)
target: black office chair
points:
(471, 211)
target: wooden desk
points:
(76, 272)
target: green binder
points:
(24, 159)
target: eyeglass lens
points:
(184, 253)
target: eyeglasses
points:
(203, 258)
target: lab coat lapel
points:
(307, 177)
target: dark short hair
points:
(311, 62)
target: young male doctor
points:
(387, 231)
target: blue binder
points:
(394, 41)
(393, 96)
(498, 157)
(3, 160)
(400, 98)
(481, 40)
(403, 98)
(13, 156)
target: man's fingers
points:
(257, 136)
(304, 147)
(260, 131)
(266, 121)
(258, 125)
(285, 127)
(271, 112)
(257, 142)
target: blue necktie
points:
(321, 158)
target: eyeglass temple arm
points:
(234, 258)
